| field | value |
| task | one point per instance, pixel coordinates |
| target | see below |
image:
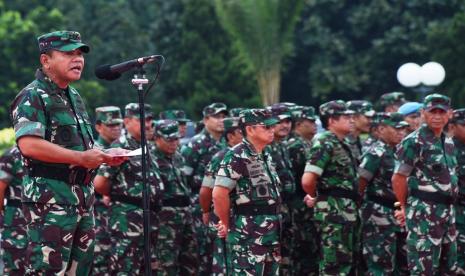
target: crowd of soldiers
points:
(257, 191)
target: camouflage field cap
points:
(132, 110)
(167, 129)
(308, 112)
(434, 101)
(394, 119)
(108, 115)
(257, 116)
(230, 123)
(214, 109)
(392, 98)
(338, 107)
(296, 111)
(174, 114)
(376, 119)
(458, 116)
(64, 41)
(280, 111)
(361, 107)
(235, 112)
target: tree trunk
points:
(269, 83)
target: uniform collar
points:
(51, 86)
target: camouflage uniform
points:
(253, 237)
(176, 244)
(176, 115)
(429, 163)
(14, 241)
(383, 238)
(58, 208)
(391, 98)
(336, 212)
(364, 108)
(197, 153)
(305, 248)
(125, 213)
(103, 115)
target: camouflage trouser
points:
(336, 247)
(102, 240)
(286, 240)
(305, 250)
(176, 236)
(60, 239)
(219, 248)
(381, 247)
(461, 248)
(204, 241)
(253, 259)
(14, 241)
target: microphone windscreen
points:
(104, 72)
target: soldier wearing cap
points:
(457, 127)
(363, 114)
(12, 222)
(176, 244)
(197, 153)
(411, 112)
(330, 183)
(425, 184)
(176, 115)
(108, 123)
(305, 249)
(54, 134)
(383, 237)
(233, 136)
(125, 188)
(235, 112)
(390, 102)
(373, 133)
(247, 184)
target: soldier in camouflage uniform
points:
(176, 239)
(411, 113)
(305, 251)
(383, 237)
(233, 136)
(425, 184)
(248, 184)
(54, 134)
(197, 153)
(176, 115)
(373, 134)
(390, 102)
(108, 123)
(235, 112)
(13, 225)
(363, 114)
(330, 182)
(125, 188)
(457, 123)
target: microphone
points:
(113, 72)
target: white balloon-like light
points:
(432, 73)
(409, 74)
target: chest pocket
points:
(436, 165)
(259, 179)
(63, 125)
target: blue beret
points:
(409, 108)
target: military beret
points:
(167, 129)
(177, 115)
(64, 41)
(132, 110)
(434, 101)
(280, 111)
(361, 107)
(257, 116)
(337, 107)
(215, 108)
(108, 115)
(458, 116)
(391, 98)
(410, 108)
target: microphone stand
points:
(139, 84)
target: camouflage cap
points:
(434, 101)
(376, 119)
(361, 107)
(391, 98)
(337, 107)
(167, 129)
(394, 119)
(215, 108)
(296, 111)
(172, 114)
(458, 116)
(280, 111)
(64, 41)
(230, 123)
(108, 115)
(234, 112)
(257, 116)
(132, 110)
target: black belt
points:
(339, 192)
(255, 210)
(177, 201)
(74, 176)
(381, 200)
(136, 201)
(435, 197)
(14, 203)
